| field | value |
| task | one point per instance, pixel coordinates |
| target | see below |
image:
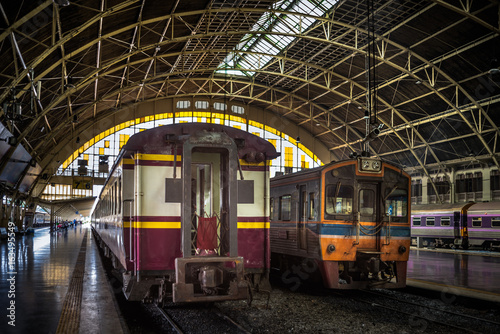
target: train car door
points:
(302, 218)
(368, 213)
(456, 225)
(207, 203)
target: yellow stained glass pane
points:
(288, 156)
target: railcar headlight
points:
(259, 157)
(330, 248)
(402, 249)
(371, 165)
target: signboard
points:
(84, 183)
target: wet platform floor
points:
(471, 274)
(40, 286)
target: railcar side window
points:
(495, 222)
(271, 209)
(338, 199)
(285, 207)
(416, 221)
(312, 212)
(366, 202)
(477, 221)
(396, 204)
(430, 221)
(445, 221)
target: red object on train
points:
(207, 233)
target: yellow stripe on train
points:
(254, 224)
(158, 157)
(178, 225)
(153, 225)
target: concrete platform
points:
(462, 273)
(55, 283)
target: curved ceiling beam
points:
(15, 25)
(63, 40)
(465, 11)
(441, 96)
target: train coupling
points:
(200, 279)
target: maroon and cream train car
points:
(184, 213)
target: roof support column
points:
(425, 197)
(453, 191)
(486, 184)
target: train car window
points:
(366, 202)
(271, 209)
(477, 221)
(285, 207)
(115, 198)
(120, 195)
(495, 222)
(445, 221)
(416, 221)
(339, 199)
(312, 211)
(396, 204)
(430, 221)
(304, 205)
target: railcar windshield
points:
(339, 199)
(396, 204)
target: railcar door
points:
(456, 226)
(207, 212)
(368, 215)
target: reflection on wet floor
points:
(43, 264)
(456, 269)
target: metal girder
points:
(309, 109)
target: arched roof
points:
(432, 66)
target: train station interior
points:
(415, 83)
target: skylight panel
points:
(280, 41)
(265, 47)
(274, 44)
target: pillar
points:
(425, 197)
(486, 184)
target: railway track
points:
(437, 309)
(423, 316)
(193, 319)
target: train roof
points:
(483, 207)
(300, 174)
(419, 209)
(154, 140)
(304, 173)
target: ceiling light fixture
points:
(62, 3)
